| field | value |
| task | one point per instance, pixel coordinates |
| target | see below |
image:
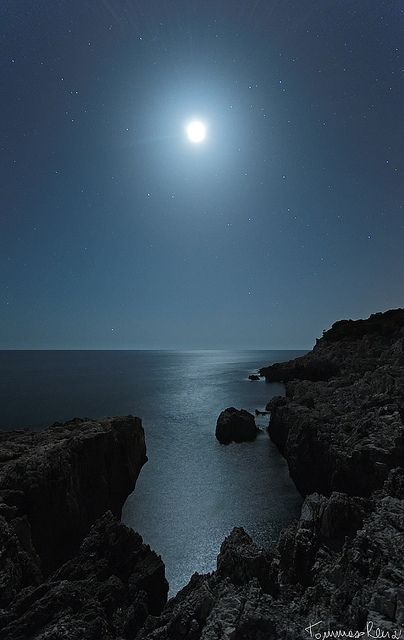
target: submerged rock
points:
(253, 376)
(235, 425)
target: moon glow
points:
(196, 131)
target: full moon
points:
(196, 131)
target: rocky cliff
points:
(341, 566)
(68, 568)
(344, 432)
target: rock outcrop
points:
(339, 569)
(341, 566)
(345, 433)
(54, 485)
(105, 591)
(235, 425)
(350, 347)
(63, 478)
(302, 368)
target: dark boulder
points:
(253, 376)
(235, 425)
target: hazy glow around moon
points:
(196, 131)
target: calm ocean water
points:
(193, 490)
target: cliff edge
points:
(344, 432)
(338, 571)
(68, 568)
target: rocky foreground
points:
(341, 566)
(69, 569)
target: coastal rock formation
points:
(253, 376)
(229, 603)
(341, 566)
(105, 591)
(345, 433)
(302, 368)
(54, 484)
(60, 480)
(235, 425)
(350, 347)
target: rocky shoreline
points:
(69, 569)
(341, 566)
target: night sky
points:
(118, 232)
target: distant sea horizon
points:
(179, 349)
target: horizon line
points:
(156, 349)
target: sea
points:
(193, 490)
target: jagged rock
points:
(253, 376)
(105, 591)
(346, 433)
(227, 604)
(53, 485)
(241, 560)
(347, 577)
(340, 428)
(19, 562)
(65, 477)
(341, 563)
(235, 425)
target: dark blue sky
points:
(116, 232)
